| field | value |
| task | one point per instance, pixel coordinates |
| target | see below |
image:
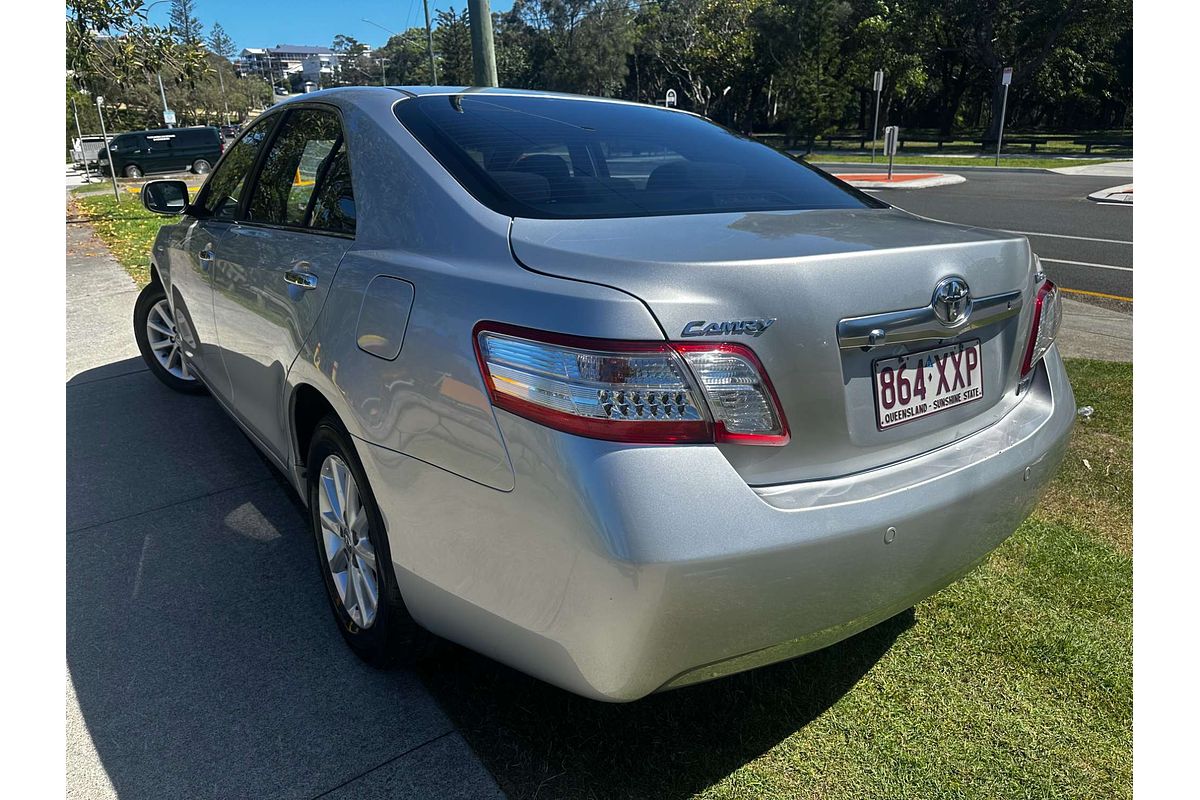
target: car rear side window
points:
(333, 205)
(223, 191)
(550, 157)
(297, 160)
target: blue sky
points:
(266, 23)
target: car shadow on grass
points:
(541, 742)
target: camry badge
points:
(737, 327)
(952, 301)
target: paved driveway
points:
(202, 659)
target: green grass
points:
(957, 161)
(126, 228)
(1015, 681)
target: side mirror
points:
(165, 197)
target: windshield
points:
(551, 157)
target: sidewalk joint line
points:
(410, 750)
(143, 512)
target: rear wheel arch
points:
(308, 407)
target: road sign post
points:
(1005, 79)
(672, 99)
(891, 138)
(104, 132)
(875, 126)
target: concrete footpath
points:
(1090, 331)
(202, 659)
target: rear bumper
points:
(614, 571)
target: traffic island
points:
(899, 180)
(1114, 194)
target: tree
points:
(111, 41)
(187, 29)
(452, 41)
(573, 45)
(220, 44)
(354, 67)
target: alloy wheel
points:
(165, 342)
(349, 555)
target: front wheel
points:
(200, 166)
(159, 342)
(355, 559)
(133, 171)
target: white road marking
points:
(1065, 236)
(1086, 264)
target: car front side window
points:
(298, 159)
(224, 189)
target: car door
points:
(192, 262)
(277, 263)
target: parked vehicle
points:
(87, 150)
(164, 150)
(602, 390)
(230, 131)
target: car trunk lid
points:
(813, 273)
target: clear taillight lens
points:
(1047, 317)
(740, 398)
(630, 391)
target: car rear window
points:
(548, 157)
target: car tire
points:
(201, 166)
(133, 171)
(158, 340)
(379, 631)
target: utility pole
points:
(429, 44)
(383, 71)
(107, 149)
(483, 45)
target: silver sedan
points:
(604, 391)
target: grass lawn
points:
(1016, 681)
(126, 228)
(956, 161)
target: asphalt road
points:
(1085, 247)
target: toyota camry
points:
(602, 390)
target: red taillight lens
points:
(1047, 317)
(645, 392)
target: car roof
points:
(349, 92)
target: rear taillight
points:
(1047, 316)
(644, 392)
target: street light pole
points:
(429, 44)
(87, 176)
(104, 133)
(166, 110)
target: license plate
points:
(919, 384)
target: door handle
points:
(206, 259)
(305, 280)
